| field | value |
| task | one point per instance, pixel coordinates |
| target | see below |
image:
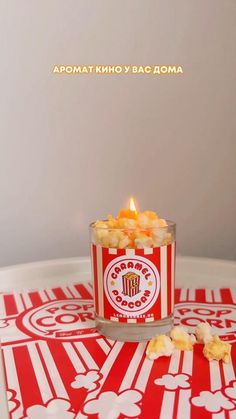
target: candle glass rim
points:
(170, 224)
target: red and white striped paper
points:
(92, 377)
(111, 301)
(43, 369)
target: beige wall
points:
(74, 148)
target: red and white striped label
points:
(133, 285)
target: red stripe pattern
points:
(82, 370)
(134, 285)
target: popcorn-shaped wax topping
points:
(147, 219)
(132, 229)
(217, 349)
(159, 346)
(127, 213)
(182, 339)
(141, 241)
(204, 332)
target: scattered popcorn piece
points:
(181, 339)
(159, 346)
(214, 348)
(203, 332)
(217, 349)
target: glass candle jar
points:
(133, 286)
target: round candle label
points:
(61, 319)
(133, 285)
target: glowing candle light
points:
(132, 206)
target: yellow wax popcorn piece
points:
(181, 339)
(142, 240)
(162, 222)
(101, 233)
(118, 239)
(127, 213)
(204, 332)
(159, 346)
(114, 238)
(159, 236)
(217, 349)
(101, 224)
(111, 222)
(126, 223)
(167, 240)
(147, 219)
(150, 214)
(124, 241)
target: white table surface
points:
(190, 272)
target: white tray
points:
(191, 272)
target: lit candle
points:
(133, 261)
(131, 212)
(132, 206)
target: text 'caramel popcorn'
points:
(214, 347)
(133, 230)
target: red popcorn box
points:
(131, 283)
(134, 285)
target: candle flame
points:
(132, 206)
